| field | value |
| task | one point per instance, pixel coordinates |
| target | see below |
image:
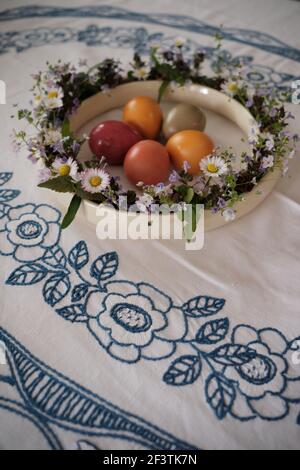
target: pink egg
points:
(148, 162)
(113, 139)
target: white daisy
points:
(229, 214)
(213, 166)
(65, 167)
(179, 41)
(141, 73)
(230, 88)
(94, 180)
(53, 98)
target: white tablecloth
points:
(72, 377)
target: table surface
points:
(73, 378)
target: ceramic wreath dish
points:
(66, 99)
(204, 97)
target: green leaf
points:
(60, 184)
(189, 195)
(65, 130)
(162, 89)
(71, 212)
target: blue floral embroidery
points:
(248, 373)
(27, 230)
(139, 39)
(253, 38)
(49, 400)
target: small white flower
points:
(52, 136)
(267, 162)
(65, 167)
(53, 98)
(213, 166)
(141, 73)
(291, 154)
(144, 202)
(44, 174)
(253, 135)
(179, 41)
(37, 100)
(94, 180)
(285, 167)
(229, 214)
(269, 141)
(230, 88)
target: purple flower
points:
(174, 177)
(186, 166)
(249, 103)
(273, 112)
(44, 175)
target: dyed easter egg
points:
(113, 139)
(144, 114)
(182, 117)
(147, 161)
(190, 146)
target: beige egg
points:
(183, 117)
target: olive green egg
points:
(183, 117)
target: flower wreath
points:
(59, 91)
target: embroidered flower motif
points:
(213, 166)
(94, 180)
(28, 230)
(135, 321)
(264, 379)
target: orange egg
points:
(144, 114)
(190, 146)
(147, 161)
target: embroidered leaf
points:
(71, 212)
(105, 266)
(203, 306)
(56, 288)
(8, 194)
(79, 255)
(73, 313)
(79, 292)
(4, 208)
(213, 331)
(183, 371)
(60, 184)
(233, 355)
(55, 257)
(220, 394)
(4, 178)
(27, 274)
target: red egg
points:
(147, 161)
(113, 139)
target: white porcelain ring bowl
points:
(197, 95)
